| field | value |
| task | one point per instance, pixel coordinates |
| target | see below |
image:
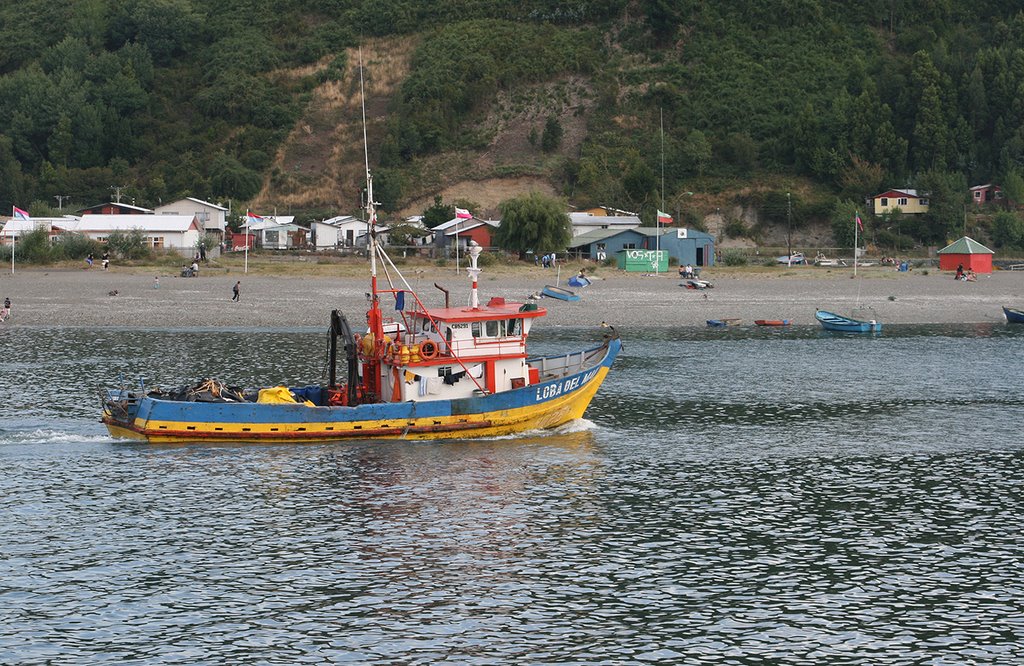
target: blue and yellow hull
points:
(543, 405)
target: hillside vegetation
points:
(686, 105)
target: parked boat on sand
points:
(773, 322)
(559, 293)
(1013, 315)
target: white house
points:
(177, 232)
(584, 222)
(278, 233)
(212, 218)
(339, 231)
(14, 228)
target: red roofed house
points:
(908, 201)
(983, 194)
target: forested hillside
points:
(256, 101)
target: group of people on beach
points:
(90, 259)
(966, 276)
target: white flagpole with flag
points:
(460, 214)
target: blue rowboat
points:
(834, 322)
(559, 293)
(719, 323)
(1013, 315)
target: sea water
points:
(734, 495)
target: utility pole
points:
(117, 192)
(60, 200)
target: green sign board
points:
(643, 261)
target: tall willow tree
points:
(533, 222)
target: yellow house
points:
(908, 201)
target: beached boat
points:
(438, 372)
(717, 323)
(834, 322)
(579, 281)
(559, 293)
(1013, 315)
(773, 322)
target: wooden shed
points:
(968, 253)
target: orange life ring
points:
(428, 349)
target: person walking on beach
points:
(106, 259)
(6, 311)
(236, 290)
(156, 281)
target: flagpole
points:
(456, 245)
(657, 218)
(246, 269)
(856, 237)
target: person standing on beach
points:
(89, 260)
(106, 259)
(236, 290)
(156, 281)
(6, 311)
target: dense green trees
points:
(533, 223)
(176, 97)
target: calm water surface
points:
(737, 496)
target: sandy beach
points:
(75, 297)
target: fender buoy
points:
(428, 349)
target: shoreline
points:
(70, 297)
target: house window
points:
(271, 237)
(884, 202)
(629, 246)
(158, 241)
(923, 202)
(902, 201)
(998, 194)
(977, 194)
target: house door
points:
(700, 256)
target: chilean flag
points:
(20, 214)
(860, 225)
(463, 214)
(252, 218)
(664, 218)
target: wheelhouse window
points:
(475, 329)
(515, 326)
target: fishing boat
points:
(429, 373)
(719, 323)
(551, 291)
(835, 322)
(773, 322)
(1013, 315)
(438, 372)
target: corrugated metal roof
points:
(965, 245)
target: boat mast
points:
(374, 319)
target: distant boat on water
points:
(831, 321)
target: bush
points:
(734, 259)
(129, 244)
(73, 245)
(34, 247)
(735, 228)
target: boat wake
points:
(49, 436)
